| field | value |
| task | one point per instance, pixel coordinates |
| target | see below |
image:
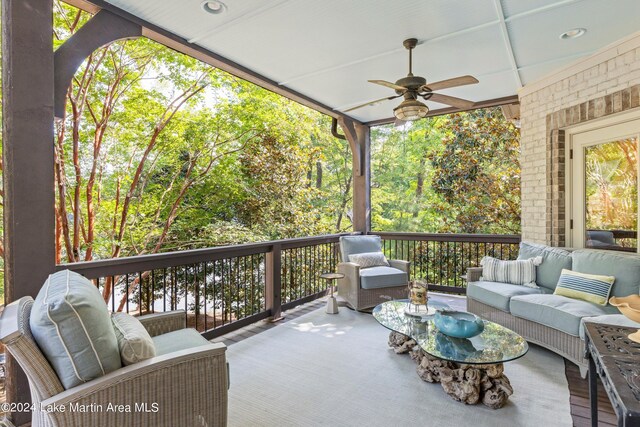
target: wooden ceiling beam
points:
(182, 45)
(496, 102)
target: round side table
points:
(332, 304)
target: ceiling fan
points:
(412, 87)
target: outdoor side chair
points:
(363, 288)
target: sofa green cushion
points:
(382, 277)
(553, 261)
(609, 319)
(497, 295)
(359, 244)
(625, 267)
(181, 339)
(71, 325)
(555, 311)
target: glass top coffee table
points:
(447, 360)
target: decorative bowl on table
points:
(630, 307)
(458, 324)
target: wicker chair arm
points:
(162, 323)
(187, 387)
(351, 272)
(474, 274)
(10, 319)
(400, 265)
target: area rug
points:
(337, 370)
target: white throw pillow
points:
(369, 259)
(518, 272)
(134, 341)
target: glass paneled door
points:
(604, 188)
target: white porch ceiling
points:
(328, 49)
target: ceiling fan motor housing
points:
(413, 83)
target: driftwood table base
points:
(470, 384)
(401, 343)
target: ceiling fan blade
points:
(456, 81)
(451, 100)
(372, 102)
(387, 84)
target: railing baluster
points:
(215, 293)
(126, 292)
(205, 296)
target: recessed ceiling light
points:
(213, 7)
(573, 33)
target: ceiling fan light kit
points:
(412, 87)
(411, 109)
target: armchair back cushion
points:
(359, 244)
(71, 325)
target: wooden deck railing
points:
(441, 259)
(225, 288)
(221, 289)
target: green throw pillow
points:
(588, 287)
(71, 325)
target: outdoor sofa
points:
(553, 321)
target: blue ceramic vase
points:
(458, 324)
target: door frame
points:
(575, 152)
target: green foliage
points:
(611, 185)
(457, 173)
(160, 152)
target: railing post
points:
(273, 271)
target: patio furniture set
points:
(86, 366)
(514, 314)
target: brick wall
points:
(587, 90)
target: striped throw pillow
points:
(519, 272)
(588, 287)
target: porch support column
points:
(28, 175)
(359, 139)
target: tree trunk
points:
(318, 174)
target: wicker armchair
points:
(182, 388)
(351, 289)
